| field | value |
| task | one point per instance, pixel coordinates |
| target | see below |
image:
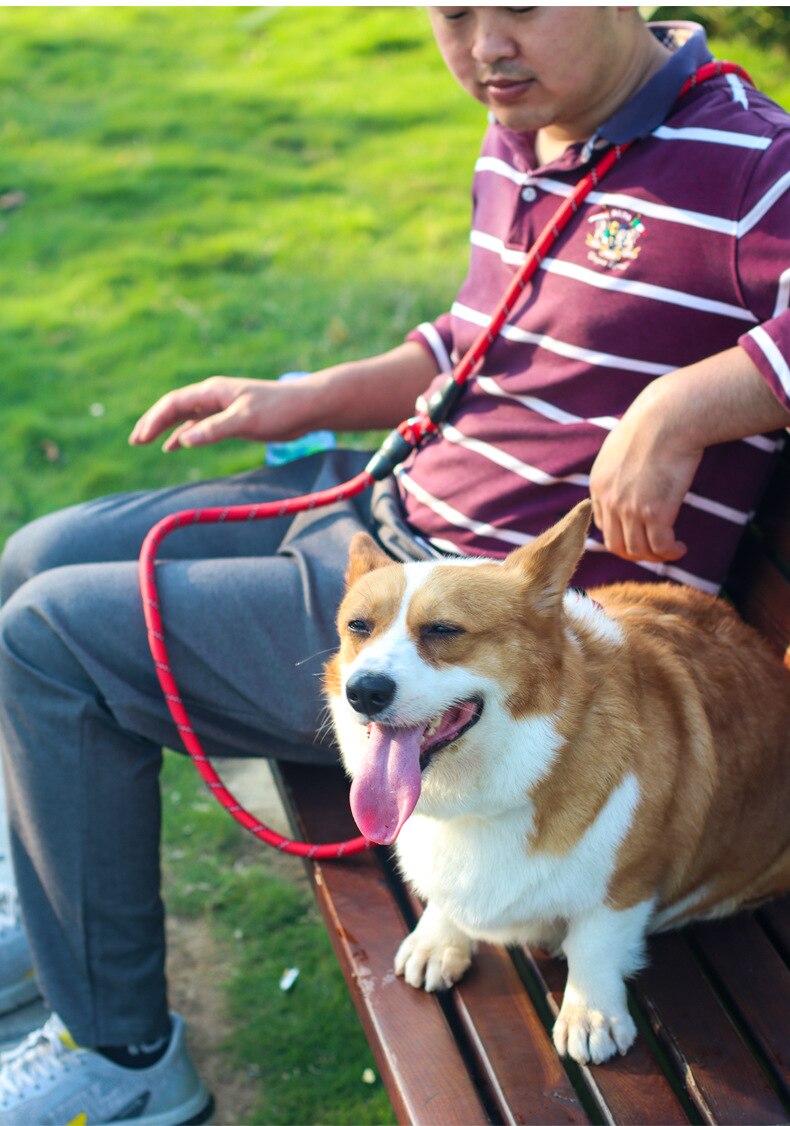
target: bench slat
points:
(761, 593)
(723, 1078)
(759, 581)
(755, 979)
(775, 917)
(512, 1045)
(421, 1065)
(773, 518)
(631, 1089)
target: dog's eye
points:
(360, 626)
(442, 629)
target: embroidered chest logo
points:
(614, 237)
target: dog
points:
(573, 772)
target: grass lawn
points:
(192, 191)
(208, 190)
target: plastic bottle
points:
(278, 453)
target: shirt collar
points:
(652, 103)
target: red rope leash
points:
(400, 443)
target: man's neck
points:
(552, 141)
(548, 148)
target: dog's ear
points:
(550, 560)
(364, 555)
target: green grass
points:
(208, 190)
(235, 190)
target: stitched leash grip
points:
(397, 447)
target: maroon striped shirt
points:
(681, 253)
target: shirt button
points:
(529, 194)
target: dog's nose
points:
(370, 693)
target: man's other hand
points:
(637, 485)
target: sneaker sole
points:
(19, 994)
(195, 1117)
(204, 1116)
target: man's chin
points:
(517, 116)
(520, 122)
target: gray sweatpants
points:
(249, 616)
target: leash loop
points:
(396, 448)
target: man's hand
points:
(218, 408)
(647, 463)
(368, 394)
(637, 485)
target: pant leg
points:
(112, 528)
(82, 721)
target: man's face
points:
(538, 67)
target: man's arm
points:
(365, 394)
(647, 463)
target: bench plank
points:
(761, 594)
(631, 1089)
(773, 518)
(423, 1069)
(759, 581)
(512, 1045)
(755, 980)
(723, 1078)
(775, 917)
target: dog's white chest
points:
(483, 875)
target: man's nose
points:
(491, 42)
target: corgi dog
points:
(567, 771)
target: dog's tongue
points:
(387, 786)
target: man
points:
(646, 364)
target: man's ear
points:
(549, 561)
(364, 555)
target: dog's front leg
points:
(436, 954)
(602, 947)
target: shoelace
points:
(38, 1056)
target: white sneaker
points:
(17, 980)
(49, 1081)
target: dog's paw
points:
(429, 963)
(589, 1035)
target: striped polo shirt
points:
(682, 252)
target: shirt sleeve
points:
(436, 338)
(768, 347)
(763, 262)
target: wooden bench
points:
(713, 1006)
